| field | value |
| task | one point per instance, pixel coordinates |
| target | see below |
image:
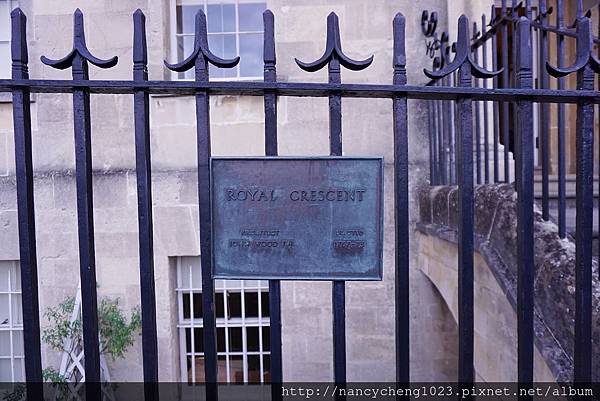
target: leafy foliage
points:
(117, 333)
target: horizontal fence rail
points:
(467, 93)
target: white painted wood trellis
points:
(71, 366)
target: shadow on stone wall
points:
(495, 240)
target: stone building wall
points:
(237, 129)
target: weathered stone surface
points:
(496, 240)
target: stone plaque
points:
(297, 218)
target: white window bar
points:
(12, 368)
(236, 348)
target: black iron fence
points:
(495, 123)
(465, 95)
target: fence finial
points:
(524, 54)
(140, 48)
(79, 49)
(463, 55)
(269, 56)
(201, 50)
(333, 48)
(584, 51)
(399, 50)
(18, 45)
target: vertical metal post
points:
(78, 60)
(85, 220)
(585, 65)
(466, 66)
(441, 138)
(401, 206)
(26, 213)
(339, 287)
(486, 140)
(584, 223)
(430, 131)
(598, 200)
(270, 102)
(199, 59)
(524, 173)
(477, 116)
(505, 84)
(144, 195)
(464, 176)
(544, 132)
(436, 158)
(562, 203)
(495, 109)
(464, 63)
(204, 194)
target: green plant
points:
(117, 333)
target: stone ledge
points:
(495, 240)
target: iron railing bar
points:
(464, 175)
(486, 144)
(145, 221)
(440, 141)
(544, 131)
(435, 147)
(524, 165)
(476, 109)
(505, 105)
(430, 128)
(26, 209)
(270, 106)
(561, 120)
(496, 110)
(338, 294)
(583, 237)
(78, 63)
(401, 207)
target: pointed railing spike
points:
(333, 49)
(463, 55)
(584, 52)
(79, 49)
(140, 48)
(399, 64)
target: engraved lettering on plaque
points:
(292, 218)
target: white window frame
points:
(5, 19)
(174, 36)
(190, 267)
(13, 291)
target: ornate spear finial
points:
(201, 49)
(79, 49)
(399, 62)
(584, 52)
(333, 49)
(463, 55)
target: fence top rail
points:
(301, 89)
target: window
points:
(6, 6)
(12, 368)
(235, 27)
(242, 310)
